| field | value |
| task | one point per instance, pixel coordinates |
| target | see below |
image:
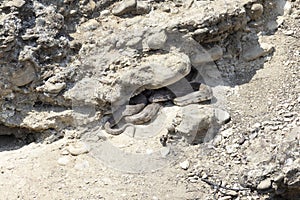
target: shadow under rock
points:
(14, 138)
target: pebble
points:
(288, 32)
(225, 198)
(142, 8)
(24, 76)
(231, 148)
(215, 52)
(81, 165)
(185, 164)
(241, 140)
(222, 116)
(64, 160)
(227, 133)
(78, 148)
(157, 40)
(54, 88)
(164, 151)
(256, 126)
(265, 184)
(193, 179)
(124, 7)
(256, 11)
(257, 51)
(14, 3)
(106, 181)
(232, 193)
(104, 13)
(65, 152)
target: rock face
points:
(55, 55)
(65, 64)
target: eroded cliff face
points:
(55, 56)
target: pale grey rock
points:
(142, 7)
(216, 52)
(205, 56)
(124, 7)
(165, 151)
(89, 25)
(157, 71)
(256, 52)
(44, 120)
(256, 11)
(104, 13)
(14, 3)
(54, 87)
(195, 123)
(64, 160)
(24, 75)
(134, 42)
(78, 148)
(222, 116)
(157, 40)
(227, 133)
(82, 165)
(184, 165)
(265, 184)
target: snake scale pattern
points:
(145, 106)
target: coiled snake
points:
(146, 105)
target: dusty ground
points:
(264, 118)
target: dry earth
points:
(254, 156)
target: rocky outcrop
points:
(60, 56)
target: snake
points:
(144, 107)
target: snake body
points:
(203, 94)
(141, 112)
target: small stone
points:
(78, 148)
(231, 148)
(155, 198)
(104, 13)
(64, 160)
(24, 75)
(142, 7)
(232, 193)
(241, 140)
(89, 25)
(106, 181)
(256, 126)
(54, 88)
(193, 179)
(252, 53)
(288, 32)
(81, 165)
(65, 152)
(279, 178)
(166, 8)
(206, 56)
(124, 7)
(225, 198)
(215, 52)
(14, 3)
(256, 11)
(265, 184)
(165, 151)
(253, 135)
(185, 164)
(222, 116)
(157, 40)
(227, 133)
